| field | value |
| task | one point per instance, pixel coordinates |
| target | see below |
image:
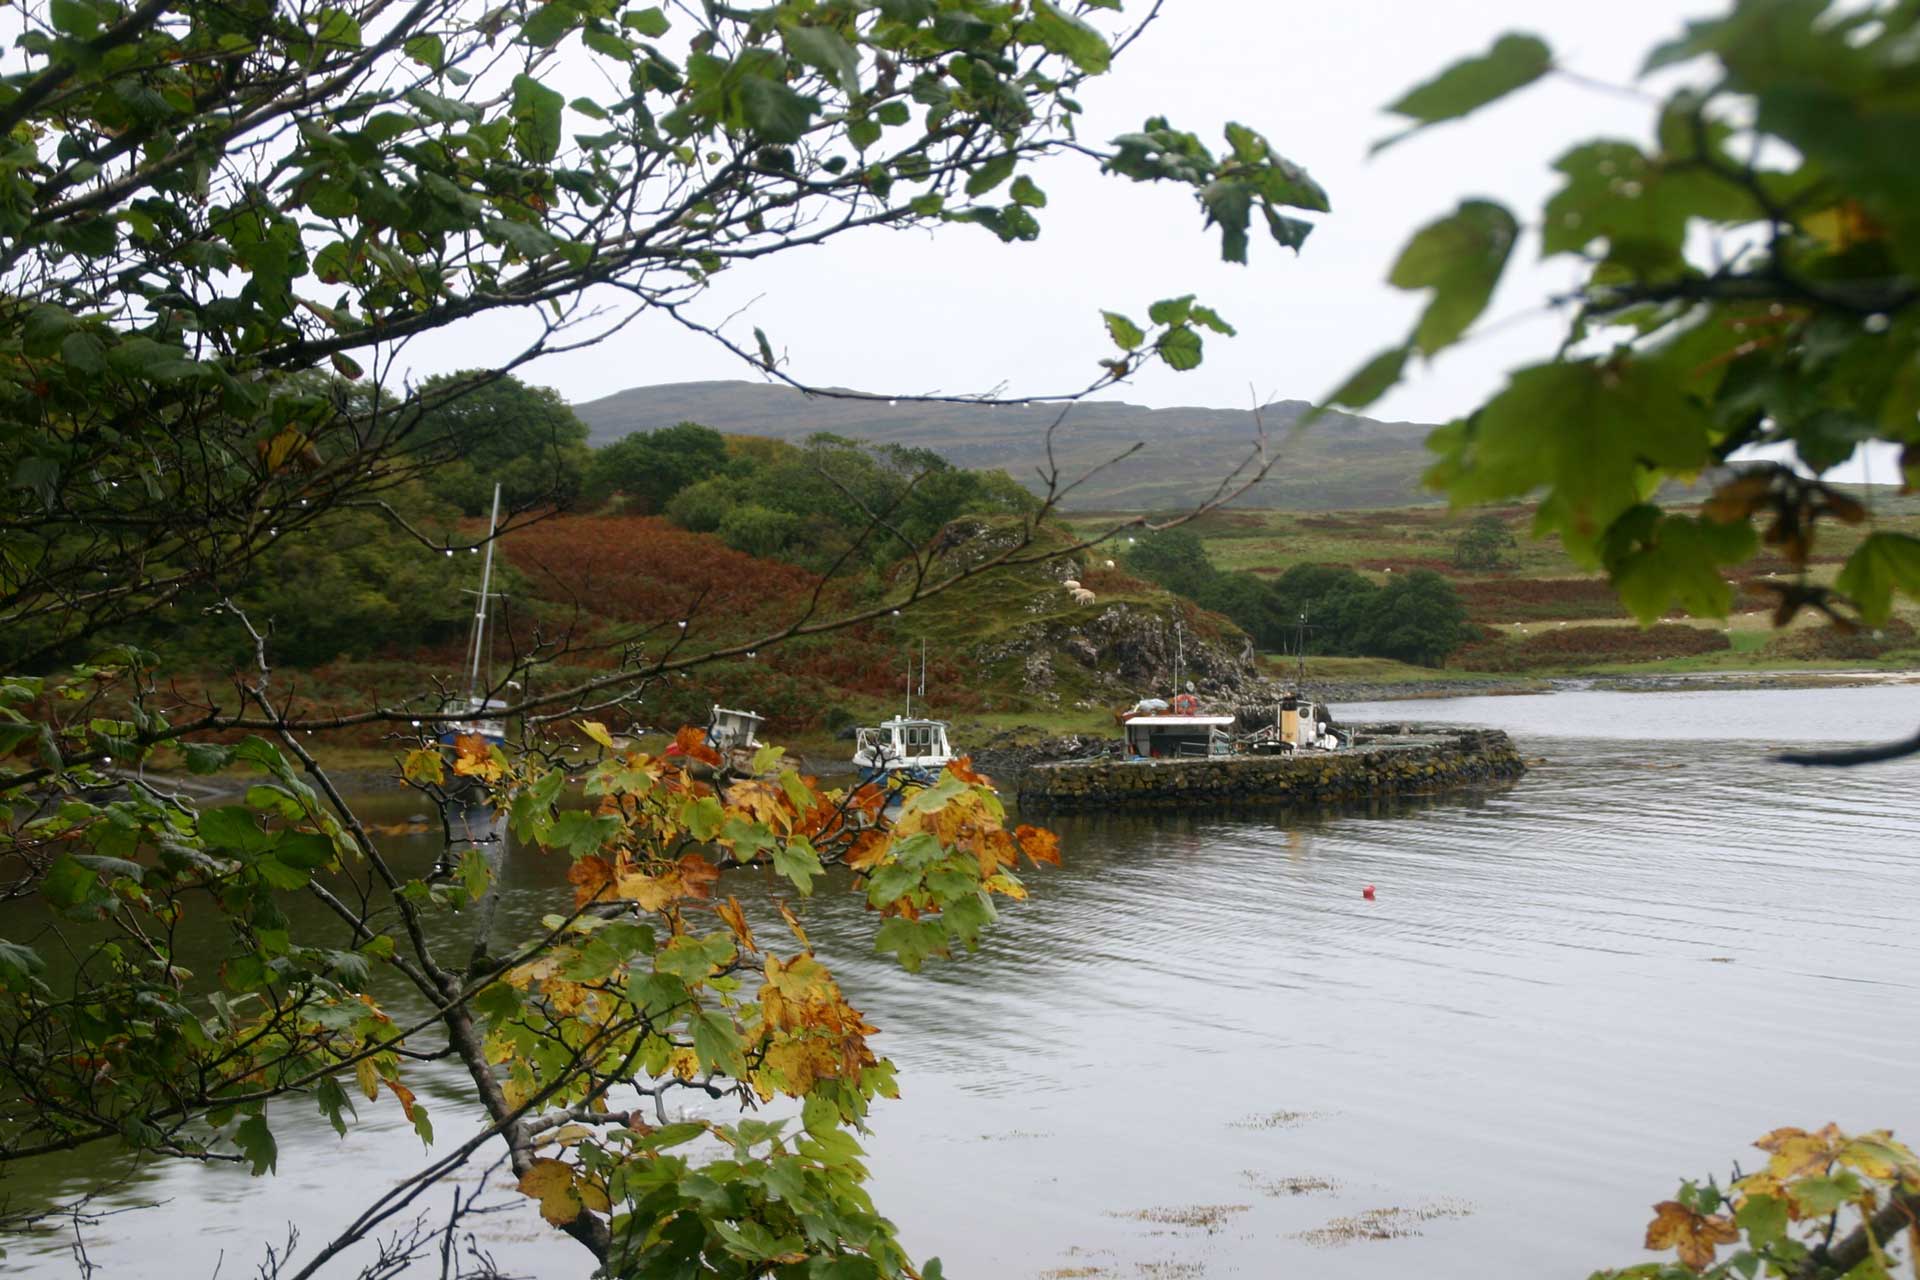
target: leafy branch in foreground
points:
(1749, 280)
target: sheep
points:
(1071, 584)
(1082, 596)
(1109, 564)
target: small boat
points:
(479, 714)
(908, 745)
(916, 747)
(735, 735)
(1299, 724)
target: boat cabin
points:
(903, 743)
(1191, 735)
(1298, 725)
(731, 730)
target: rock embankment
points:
(1430, 762)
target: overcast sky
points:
(960, 312)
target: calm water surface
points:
(1568, 994)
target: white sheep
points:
(1109, 564)
(1071, 584)
(1082, 596)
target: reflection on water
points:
(1196, 1051)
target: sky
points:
(958, 312)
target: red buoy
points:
(1367, 893)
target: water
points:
(1197, 1045)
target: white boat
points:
(735, 735)
(909, 744)
(479, 714)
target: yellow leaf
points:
(793, 923)
(1877, 1155)
(597, 731)
(651, 892)
(1695, 1236)
(551, 1183)
(736, 921)
(368, 1078)
(593, 1195)
(424, 765)
(1797, 1153)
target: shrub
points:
(1590, 646)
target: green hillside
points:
(1341, 462)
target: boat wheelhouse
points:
(1157, 736)
(903, 743)
(732, 730)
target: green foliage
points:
(1415, 618)
(1486, 544)
(502, 431)
(839, 498)
(1750, 276)
(648, 468)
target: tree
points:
(1486, 544)
(221, 225)
(501, 431)
(1750, 277)
(1415, 618)
(649, 467)
(1176, 560)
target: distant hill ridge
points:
(1341, 462)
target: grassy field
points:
(1529, 607)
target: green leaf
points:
(334, 1103)
(797, 861)
(990, 174)
(1373, 379)
(1879, 566)
(233, 829)
(1180, 347)
(18, 964)
(67, 884)
(651, 23)
(776, 112)
(716, 1042)
(1514, 62)
(1027, 194)
(256, 1143)
(1610, 422)
(1460, 258)
(536, 115)
(1763, 1219)
(827, 49)
(1125, 333)
(1658, 561)
(204, 757)
(1062, 33)
(1171, 310)
(428, 51)
(549, 23)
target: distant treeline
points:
(1418, 617)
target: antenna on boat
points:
(480, 607)
(1300, 654)
(1179, 651)
(923, 668)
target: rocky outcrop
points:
(1430, 764)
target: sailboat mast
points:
(480, 608)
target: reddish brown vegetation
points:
(1831, 644)
(1589, 646)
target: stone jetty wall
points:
(1432, 763)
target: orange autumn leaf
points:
(963, 770)
(698, 875)
(474, 758)
(691, 742)
(651, 892)
(551, 1183)
(1039, 846)
(405, 1095)
(793, 923)
(869, 849)
(592, 877)
(1694, 1236)
(736, 921)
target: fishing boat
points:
(914, 746)
(479, 715)
(735, 735)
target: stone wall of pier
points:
(1433, 764)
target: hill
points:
(1342, 462)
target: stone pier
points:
(1428, 763)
